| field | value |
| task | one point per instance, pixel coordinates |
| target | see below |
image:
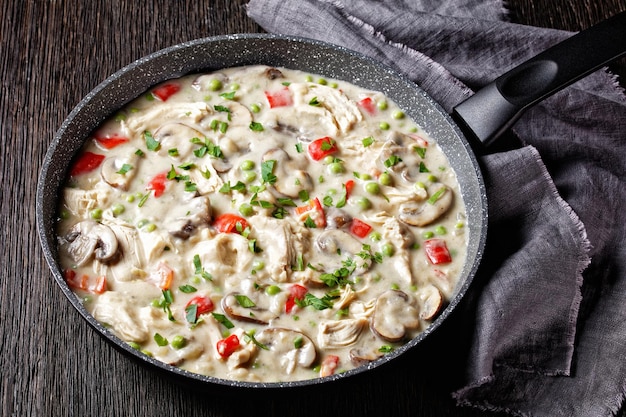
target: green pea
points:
(247, 165)
(249, 176)
(151, 227)
(365, 177)
(178, 342)
(328, 159)
(246, 210)
(322, 81)
(215, 84)
(375, 236)
(363, 203)
(255, 108)
(459, 225)
(308, 78)
(334, 85)
(428, 235)
(258, 265)
(385, 179)
(395, 286)
(384, 126)
(382, 105)
(118, 209)
(440, 230)
(234, 86)
(272, 290)
(432, 178)
(420, 185)
(372, 187)
(130, 198)
(398, 114)
(387, 249)
(142, 223)
(96, 214)
(335, 168)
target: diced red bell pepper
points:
(230, 223)
(157, 184)
(437, 251)
(329, 365)
(204, 305)
(279, 98)
(86, 162)
(226, 347)
(94, 285)
(296, 291)
(368, 105)
(165, 91)
(314, 210)
(359, 228)
(322, 147)
(349, 187)
(161, 276)
(110, 141)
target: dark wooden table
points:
(52, 54)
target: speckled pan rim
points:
(213, 53)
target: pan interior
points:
(211, 54)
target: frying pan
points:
(475, 123)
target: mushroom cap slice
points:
(361, 355)
(431, 301)
(89, 238)
(394, 314)
(177, 136)
(290, 177)
(184, 219)
(423, 213)
(334, 245)
(113, 171)
(292, 347)
(237, 310)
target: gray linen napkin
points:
(548, 314)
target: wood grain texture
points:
(52, 364)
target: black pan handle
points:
(496, 107)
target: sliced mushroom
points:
(340, 333)
(334, 245)
(206, 82)
(234, 305)
(290, 178)
(402, 146)
(184, 219)
(363, 355)
(176, 136)
(119, 171)
(431, 301)
(337, 218)
(292, 347)
(89, 238)
(273, 73)
(423, 213)
(394, 314)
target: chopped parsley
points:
(151, 143)
(244, 301)
(267, 169)
(124, 169)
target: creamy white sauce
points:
(139, 230)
